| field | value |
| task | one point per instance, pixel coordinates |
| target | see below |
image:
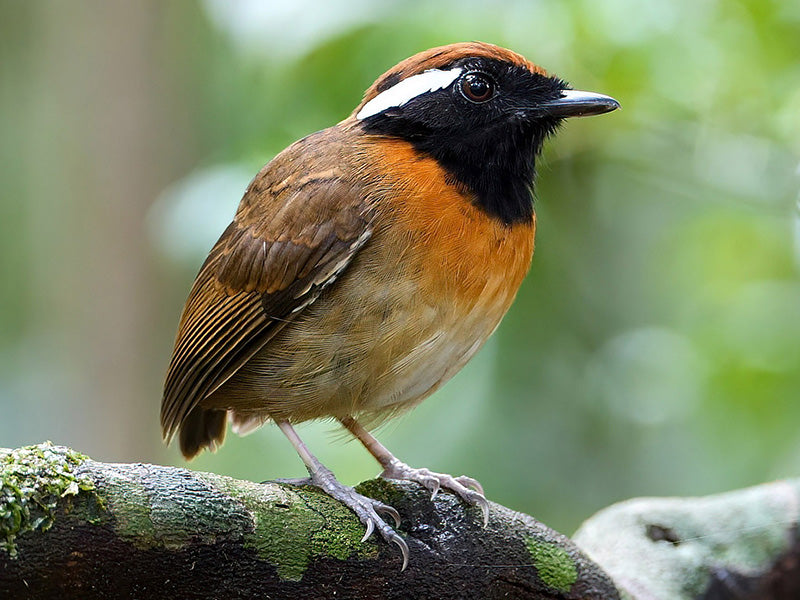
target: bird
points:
(368, 262)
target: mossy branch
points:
(74, 528)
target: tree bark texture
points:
(71, 527)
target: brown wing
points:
(286, 244)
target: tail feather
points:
(202, 428)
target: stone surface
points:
(741, 545)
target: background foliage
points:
(654, 348)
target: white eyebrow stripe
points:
(408, 89)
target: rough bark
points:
(71, 527)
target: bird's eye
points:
(477, 87)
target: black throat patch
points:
(497, 167)
(487, 148)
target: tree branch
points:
(74, 528)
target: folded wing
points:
(286, 244)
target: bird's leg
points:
(366, 509)
(465, 487)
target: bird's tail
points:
(202, 428)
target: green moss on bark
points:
(553, 564)
(294, 524)
(33, 480)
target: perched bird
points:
(368, 262)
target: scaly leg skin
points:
(465, 487)
(367, 509)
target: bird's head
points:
(482, 112)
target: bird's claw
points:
(380, 507)
(481, 501)
(470, 483)
(368, 510)
(401, 543)
(466, 488)
(370, 529)
(432, 484)
(291, 481)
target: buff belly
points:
(383, 342)
(382, 345)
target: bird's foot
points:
(467, 488)
(291, 480)
(367, 509)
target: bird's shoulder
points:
(302, 208)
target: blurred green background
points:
(654, 348)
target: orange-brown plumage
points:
(470, 248)
(436, 270)
(368, 262)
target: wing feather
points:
(286, 244)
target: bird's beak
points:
(574, 103)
